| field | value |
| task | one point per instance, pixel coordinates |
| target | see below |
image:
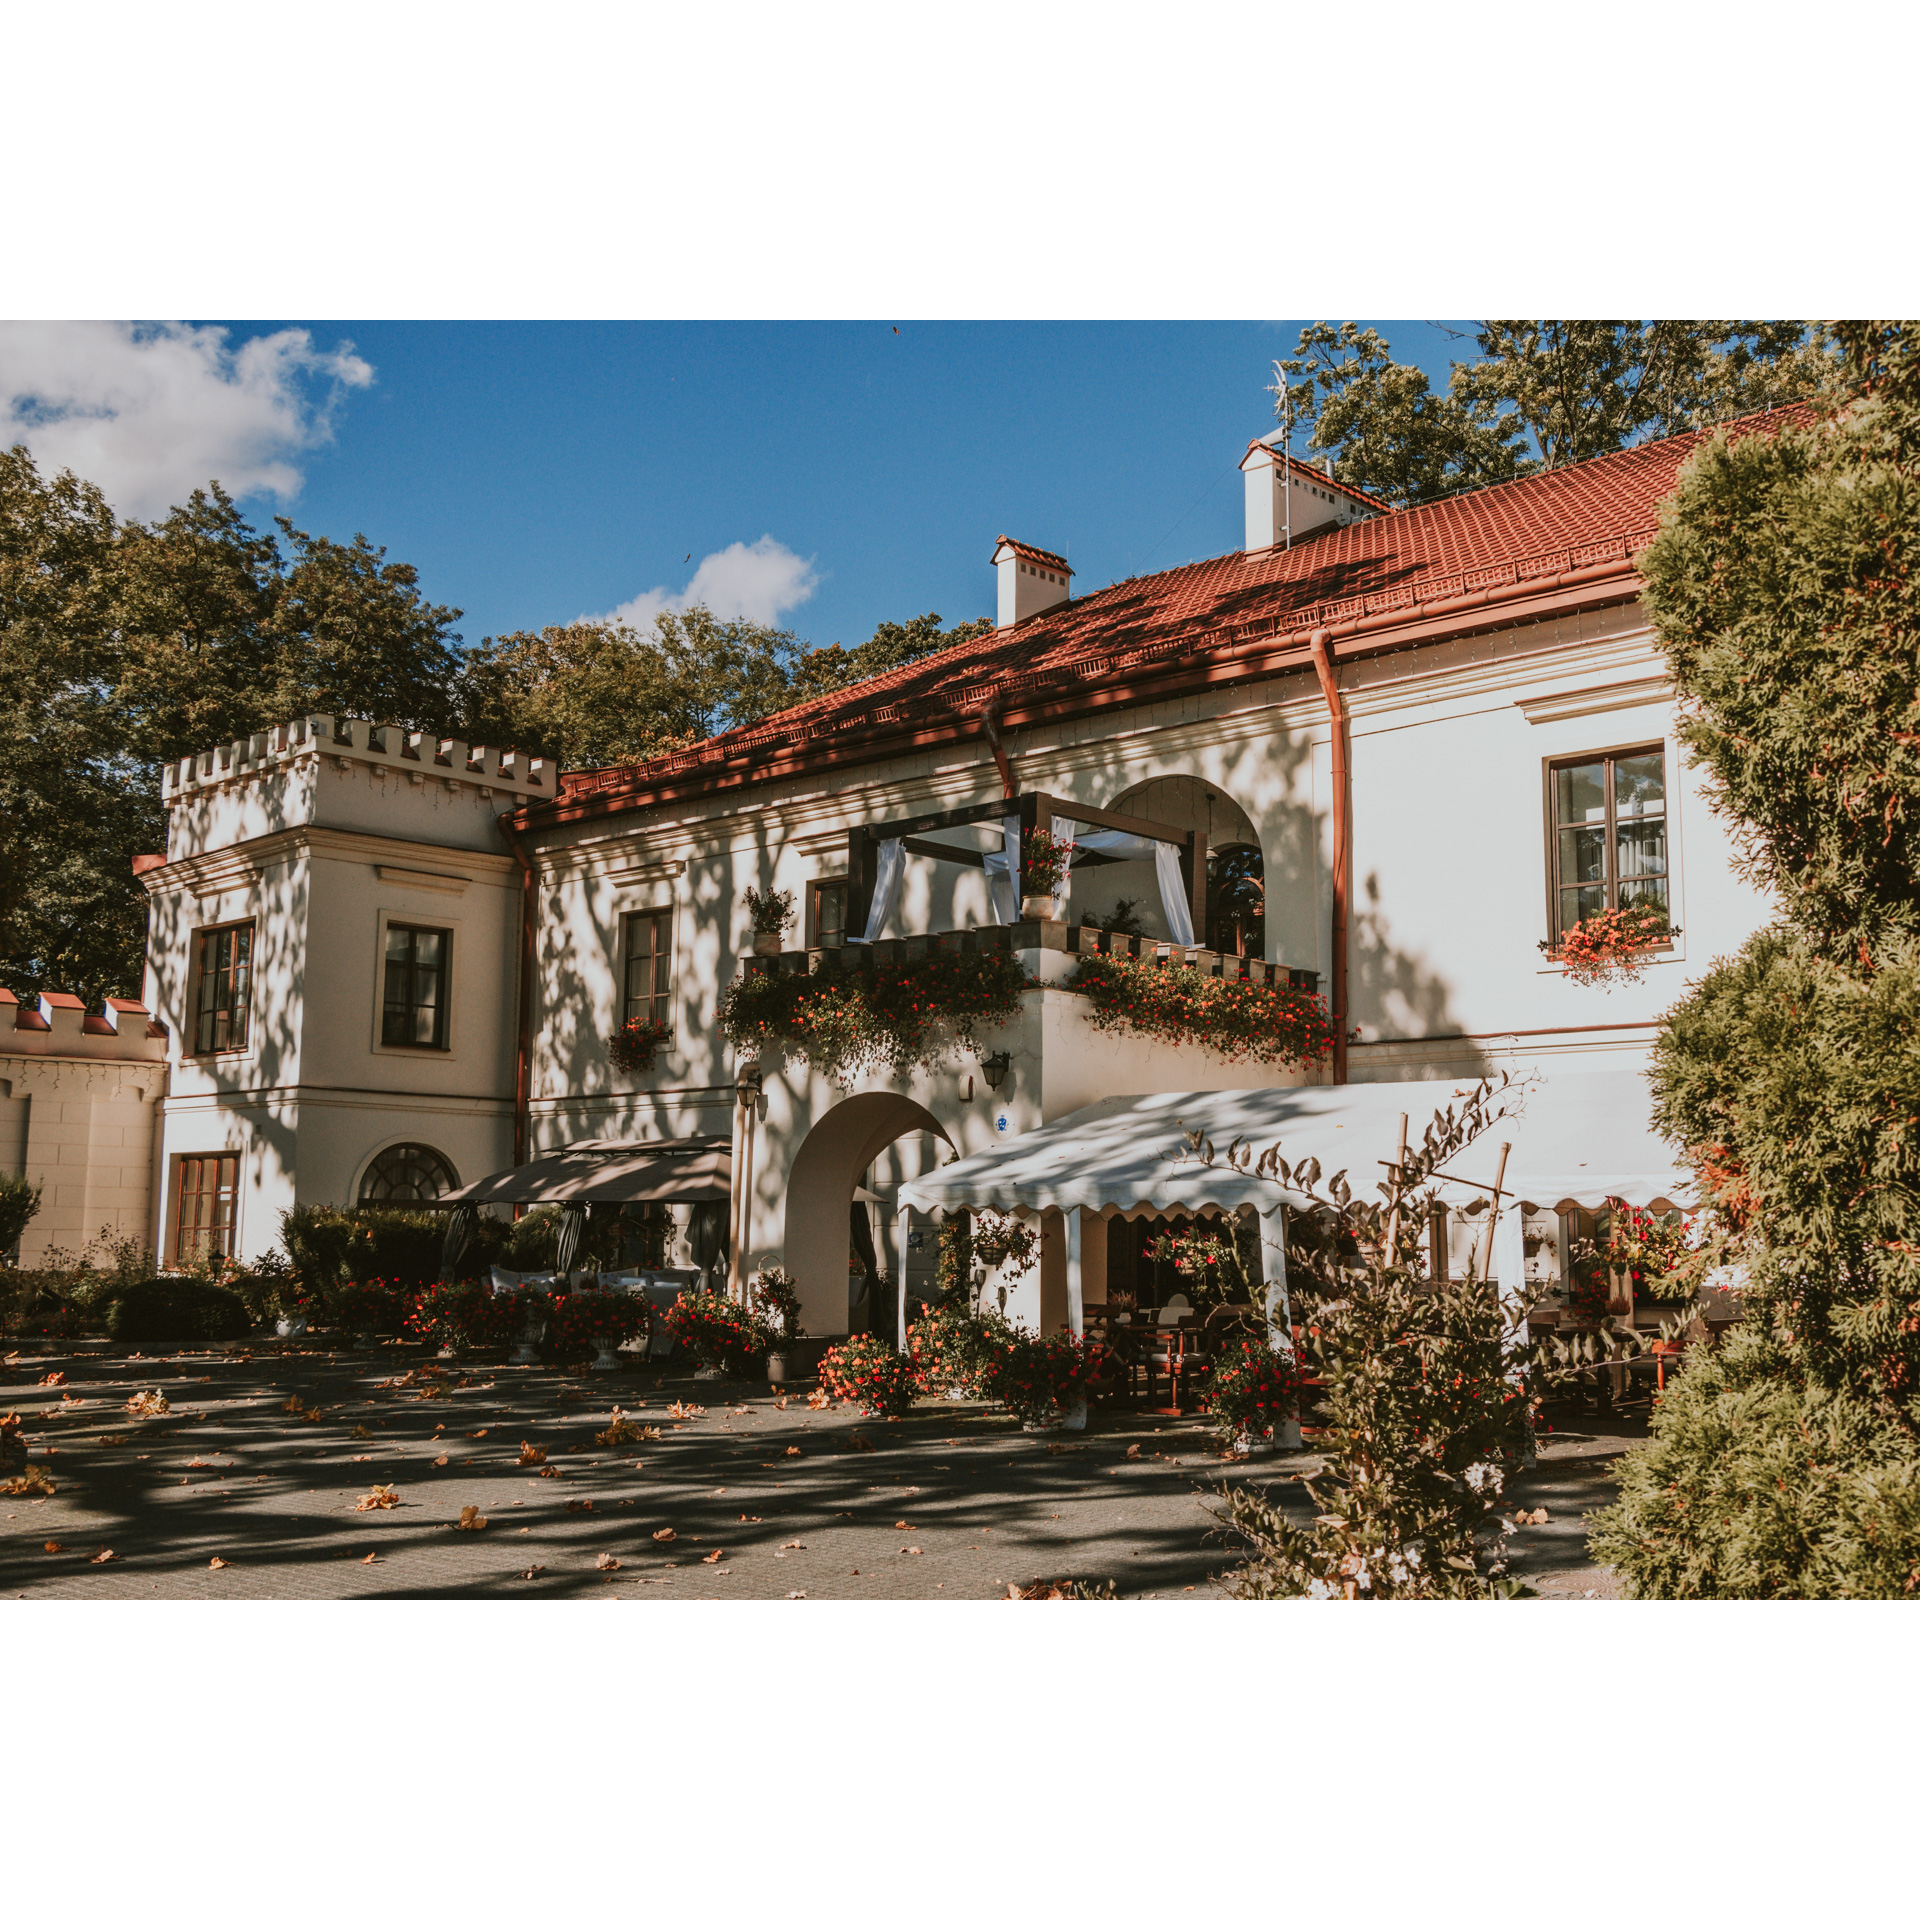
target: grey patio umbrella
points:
(707, 1237)
(568, 1234)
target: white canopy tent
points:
(1579, 1137)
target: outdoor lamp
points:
(748, 1085)
(993, 1069)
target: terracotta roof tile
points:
(1599, 512)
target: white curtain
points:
(1063, 831)
(886, 889)
(1173, 894)
(1003, 871)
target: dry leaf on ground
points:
(471, 1520)
(793, 1453)
(433, 1390)
(530, 1455)
(441, 1461)
(215, 1564)
(196, 1461)
(52, 1546)
(148, 1404)
(607, 1563)
(1133, 1452)
(293, 1404)
(379, 1497)
(681, 1410)
(710, 1558)
(367, 1560)
(798, 1593)
(861, 1444)
(913, 1549)
(533, 1573)
(905, 1526)
(579, 1506)
(101, 1558)
(360, 1433)
(481, 1435)
(54, 1380)
(551, 1473)
(665, 1533)
(817, 1399)
(112, 1440)
(31, 1485)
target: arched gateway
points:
(839, 1148)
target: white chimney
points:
(1032, 581)
(1318, 500)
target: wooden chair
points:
(1176, 1353)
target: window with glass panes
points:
(414, 1007)
(1609, 834)
(203, 1207)
(225, 992)
(829, 912)
(649, 966)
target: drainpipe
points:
(1009, 786)
(1342, 845)
(529, 898)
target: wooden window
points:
(414, 1009)
(203, 1207)
(223, 995)
(1609, 828)
(406, 1176)
(827, 913)
(649, 987)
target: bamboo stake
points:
(1493, 1212)
(1399, 1174)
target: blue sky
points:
(538, 472)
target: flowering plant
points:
(465, 1313)
(716, 1331)
(776, 1306)
(1001, 1240)
(1648, 1249)
(768, 912)
(1607, 948)
(1036, 1378)
(576, 1320)
(1043, 861)
(1254, 1389)
(366, 1306)
(634, 1048)
(849, 1020)
(948, 1349)
(872, 1372)
(1266, 1020)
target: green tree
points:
(1537, 394)
(1785, 587)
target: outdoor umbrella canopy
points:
(1583, 1137)
(605, 1175)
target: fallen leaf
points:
(360, 1456)
(794, 1546)
(148, 1405)
(905, 1526)
(101, 1558)
(471, 1520)
(797, 1594)
(861, 1444)
(817, 1399)
(368, 1559)
(710, 1558)
(551, 1473)
(292, 1404)
(196, 1461)
(31, 1485)
(913, 1549)
(530, 1455)
(607, 1563)
(533, 1573)
(579, 1506)
(112, 1440)
(1133, 1452)
(54, 1380)
(441, 1461)
(215, 1564)
(793, 1453)
(54, 1546)
(379, 1497)
(433, 1390)
(312, 1414)
(681, 1410)
(359, 1433)
(665, 1533)
(481, 1435)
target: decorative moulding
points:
(423, 877)
(1583, 700)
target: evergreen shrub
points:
(170, 1309)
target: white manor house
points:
(1390, 752)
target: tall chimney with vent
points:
(1318, 500)
(1032, 581)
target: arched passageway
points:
(838, 1149)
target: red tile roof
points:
(1038, 555)
(1317, 476)
(1400, 568)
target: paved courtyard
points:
(258, 1482)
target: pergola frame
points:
(1035, 810)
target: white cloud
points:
(150, 412)
(759, 582)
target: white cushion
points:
(505, 1282)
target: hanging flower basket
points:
(1274, 1022)
(1606, 949)
(637, 1045)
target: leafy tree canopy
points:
(1535, 394)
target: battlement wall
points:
(360, 775)
(58, 1025)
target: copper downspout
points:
(529, 897)
(1342, 843)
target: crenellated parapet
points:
(417, 757)
(58, 1025)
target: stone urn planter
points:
(1076, 1420)
(290, 1326)
(606, 1353)
(766, 944)
(1246, 1445)
(533, 1329)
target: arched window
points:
(406, 1176)
(1237, 899)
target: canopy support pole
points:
(1273, 1268)
(902, 1221)
(1076, 1276)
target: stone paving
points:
(264, 1455)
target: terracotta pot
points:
(766, 943)
(1036, 906)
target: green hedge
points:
(177, 1310)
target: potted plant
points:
(1254, 1396)
(1043, 864)
(948, 1347)
(720, 1334)
(776, 1306)
(465, 1313)
(999, 1239)
(871, 1372)
(770, 914)
(531, 1326)
(1042, 1380)
(602, 1321)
